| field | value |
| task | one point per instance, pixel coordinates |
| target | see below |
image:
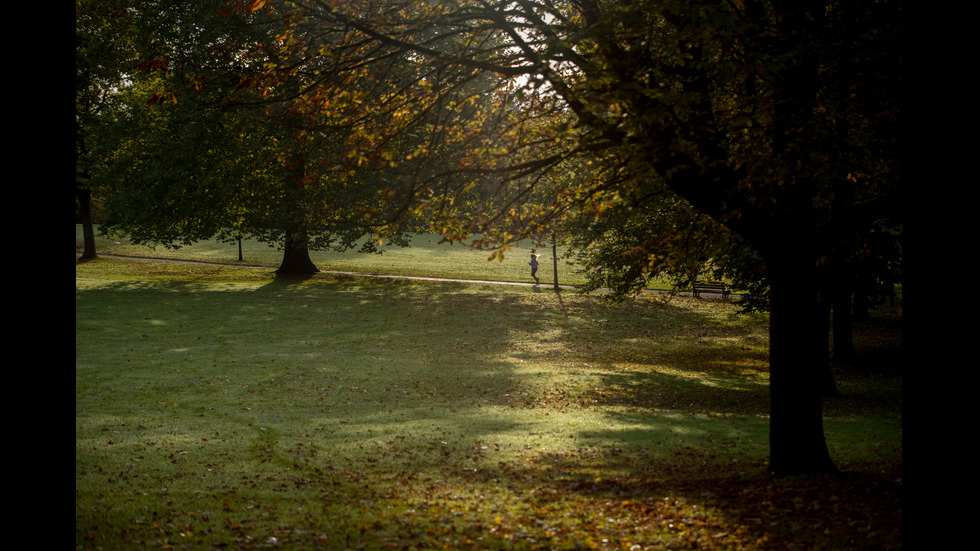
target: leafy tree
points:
(660, 236)
(778, 120)
(207, 146)
(103, 47)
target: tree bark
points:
(296, 258)
(84, 197)
(296, 252)
(796, 437)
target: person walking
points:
(534, 268)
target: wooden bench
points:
(710, 287)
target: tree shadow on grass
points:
(693, 500)
(286, 280)
(384, 396)
(660, 355)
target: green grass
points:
(221, 407)
(425, 257)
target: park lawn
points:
(221, 407)
(427, 256)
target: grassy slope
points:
(219, 407)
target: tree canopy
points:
(779, 120)
(200, 149)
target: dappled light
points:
(385, 414)
(489, 275)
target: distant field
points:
(425, 257)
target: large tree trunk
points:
(84, 197)
(296, 253)
(796, 368)
(296, 258)
(798, 362)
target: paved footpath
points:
(388, 276)
(452, 280)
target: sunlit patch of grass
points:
(426, 257)
(217, 411)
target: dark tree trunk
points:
(296, 259)
(296, 253)
(797, 368)
(798, 362)
(84, 197)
